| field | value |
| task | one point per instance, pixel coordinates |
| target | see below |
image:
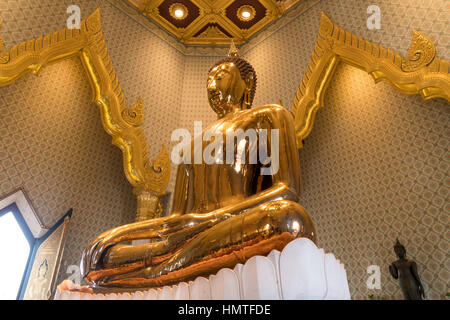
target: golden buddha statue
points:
(223, 213)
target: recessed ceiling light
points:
(246, 12)
(179, 13)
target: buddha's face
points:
(225, 88)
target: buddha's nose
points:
(211, 92)
(211, 85)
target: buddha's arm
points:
(288, 174)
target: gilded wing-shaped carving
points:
(420, 73)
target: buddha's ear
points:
(249, 81)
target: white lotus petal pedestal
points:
(300, 271)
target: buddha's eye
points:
(220, 75)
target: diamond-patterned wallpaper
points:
(374, 167)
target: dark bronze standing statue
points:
(406, 270)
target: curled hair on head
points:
(244, 69)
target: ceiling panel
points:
(212, 22)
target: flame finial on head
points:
(233, 50)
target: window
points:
(30, 252)
(16, 242)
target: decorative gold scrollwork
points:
(422, 73)
(420, 54)
(134, 115)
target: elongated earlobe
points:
(247, 101)
(249, 81)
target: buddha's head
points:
(231, 85)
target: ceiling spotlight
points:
(246, 12)
(179, 13)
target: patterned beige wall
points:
(195, 101)
(374, 168)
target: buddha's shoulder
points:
(274, 110)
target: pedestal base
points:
(300, 271)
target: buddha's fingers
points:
(86, 264)
(98, 251)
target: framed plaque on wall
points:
(40, 277)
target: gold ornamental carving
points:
(422, 72)
(135, 114)
(122, 123)
(420, 54)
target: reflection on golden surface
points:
(223, 213)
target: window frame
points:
(14, 209)
(35, 232)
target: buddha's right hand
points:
(162, 228)
(93, 253)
